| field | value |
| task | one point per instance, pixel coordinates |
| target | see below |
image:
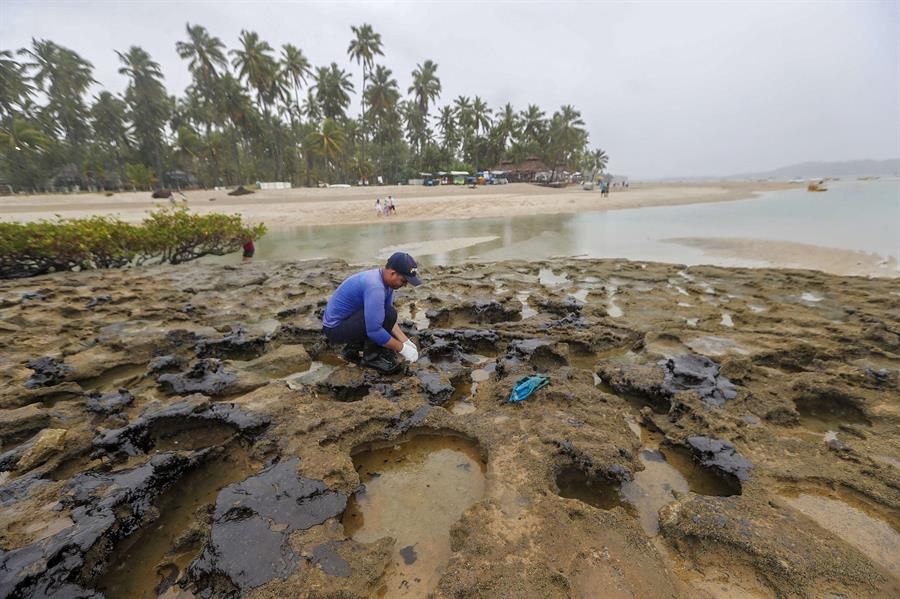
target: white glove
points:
(409, 351)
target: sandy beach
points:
(281, 209)
(333, 206)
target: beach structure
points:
(532, 169)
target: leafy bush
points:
(167, 236)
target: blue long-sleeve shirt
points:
(364, 290)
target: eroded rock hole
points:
(414, 490)
(183, 434)
(147, 562)
(823, 413)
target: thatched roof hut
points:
(526, 170)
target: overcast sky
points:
(666, 88)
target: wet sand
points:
(333, 206)
(796, 255)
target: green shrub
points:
(166, 236)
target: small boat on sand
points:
(820, 186)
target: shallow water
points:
(415, 491)
(852, 215)
(872, 536)
(140, 561)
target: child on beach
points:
(378, 206)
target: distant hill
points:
(848, 168)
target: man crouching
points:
(361, 315)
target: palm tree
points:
(255, 65)
(481, 121)
(295, 66)
(204, 52)
(146, 97)
(22, 143)
(328, 143)
(426, 86)
(382, 96)
(108, 117)
(533, 121)
(15, 87)
(566, 138)
(65, 77)
(333, 88)
(446, 121)
(363, 48)
(507, 127)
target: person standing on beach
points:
(378, 206)
(249, 250)
(361, 315)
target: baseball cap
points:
(405, 265)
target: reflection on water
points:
(851, 215)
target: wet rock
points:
(347, 384)
(697, 373)
(408, 554)
(406, 420)
(568, 321)
(327, 558)
(587, 464)
(135, 438)
(305, 331)
(102, 506)
(539, 354)
(570, 306)
(883, 376)
(248, 544)
(31, 296)
(163, 363)
(47, 372)
(284, 359)
(452, 343)
(435, 386)
(20, 421)
(48, 443)
(309, 307)
(794, 552)
(207, 376)
(490, 311)
(98, 300)
(882, 336)
(108, 403)
(721, 456)
(238, 344)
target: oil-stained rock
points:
(436, 387)
(248, 544)
(451, 343)
(48, 371)
(697, 373)
(720, 456)
(135, 438)
(207, 376)
(108, 403)
(238, 345)
(102, 506)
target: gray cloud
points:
(667, 89)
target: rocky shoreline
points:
(202, 400)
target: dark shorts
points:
(249, 253)
(353, 330)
